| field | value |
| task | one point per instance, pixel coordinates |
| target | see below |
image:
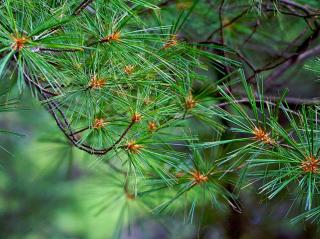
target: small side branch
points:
(81, 7)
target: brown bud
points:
(261, 135)
(133, 147)
(190, 102)
(99, 123)
(112, 37)
(152, 126)
(136, 117)
(18, 43)
(173, 41)
(310, 164)
(128, 69)
(97, 83)
(199, 178)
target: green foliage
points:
(131, 91)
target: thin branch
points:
(254, 30)
(81, 7)
(292, 61)
(305, 8)
(271, 99)
(226, 24)
(80, 131)
(40, 49)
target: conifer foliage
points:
(133, 93)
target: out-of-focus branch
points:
(292, 61)
(224, 25)
(291, 101)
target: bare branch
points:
(81, 7)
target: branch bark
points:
(294, 60)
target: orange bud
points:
(97, 83)
(128, 69)
(112, 37)
(133, 147)
(310, 164)
(199, 178)
(152, 126)
(136, 117)
(19, 43)
(99, 123)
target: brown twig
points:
(292, 61)
(81, 7)
(226, 24)
(294, 101)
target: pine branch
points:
(65, 126)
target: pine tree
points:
(133, 93)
